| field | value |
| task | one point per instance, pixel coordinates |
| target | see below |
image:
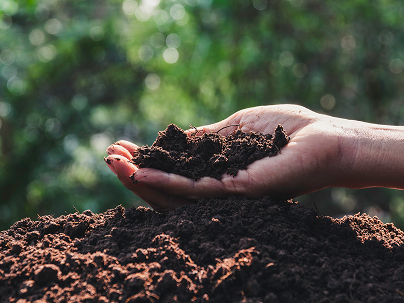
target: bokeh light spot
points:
(161, 18)
(343, 199)
(79, 102)
(146, 9)
(396, 66)
(150, 3)
(171, 55)
(9, 7)
(46, 53)
(386, 37)
(184, 20)
(53, 26)
(208, 16)
(177, 11)
(52, 125)
(152, 81)
(327, 102)
(299, 70)
(16, 86)
(36, 37)
(70, 143)
(260, 4)
(173, 40)
(129, 7)
(99, 142)
(143, 14)
(207, 88)
(5, 109)
(145, 53)
(157, 40)
(8, 71)
(42, 11)
(286, 59)
(348, 43)
(5, 21)
(7, 57)
(317, 83)
(97, 33)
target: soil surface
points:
(210, 154)
(233, 250)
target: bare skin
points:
(323, 152)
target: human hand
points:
(310, 161)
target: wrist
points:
(371, 155)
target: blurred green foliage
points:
(77, 75)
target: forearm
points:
(371, 155)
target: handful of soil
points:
(209, 155)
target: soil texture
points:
(210, 154)
(233, 250)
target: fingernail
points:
(111, 165)
(111, 149)
(132, 177)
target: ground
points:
(232, 250)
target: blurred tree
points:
(75, 76)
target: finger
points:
(129, 146)
(181, 186)
(121, 167)
(109, 161)
(119, 150)
(160, 202)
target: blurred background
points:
(75, 76)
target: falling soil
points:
(233, 250)
(210, 154)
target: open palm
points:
(306, 164)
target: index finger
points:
(130, 147)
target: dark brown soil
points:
(233, 250)
(210, 154)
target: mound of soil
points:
(209, 155)
(233, 250)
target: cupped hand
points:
(309, 162)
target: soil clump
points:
(233, 250)
(210, 154)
